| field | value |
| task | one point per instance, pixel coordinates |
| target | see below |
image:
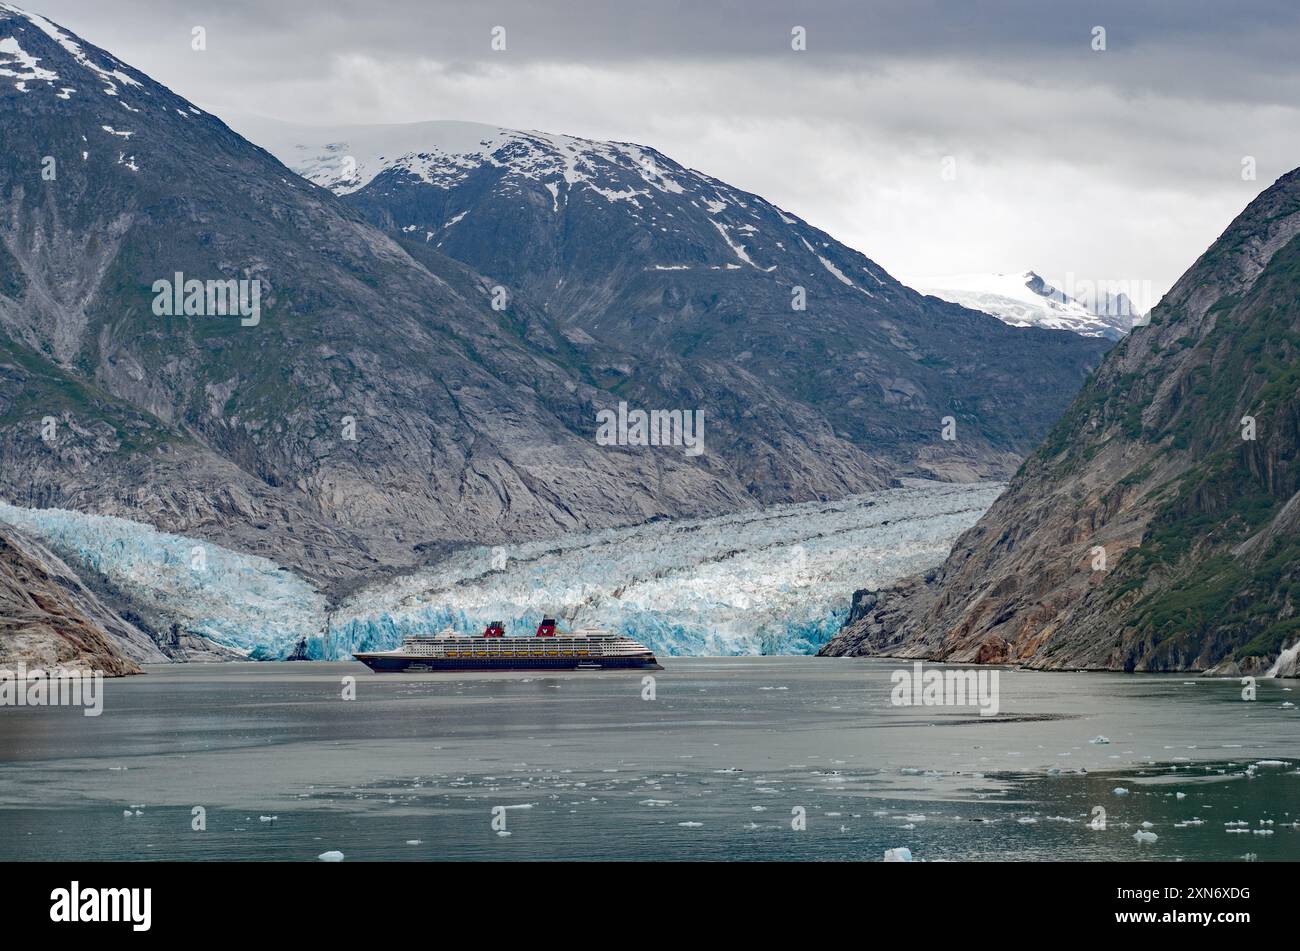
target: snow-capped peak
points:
(445, 153)
(1027, 300)
(686, 219)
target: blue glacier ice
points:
(243, 602)
(772, 581)
(776, 581)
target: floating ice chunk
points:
(267, 818)
(1100, 740)
(1271, 762)
(1120, 791)
(1180, 795)
(415, 842)
(691, 825)
(1144, 837)
(331, 856)
(900, 854)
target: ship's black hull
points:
(398, 664)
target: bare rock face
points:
(49, 619)
(1156, 526)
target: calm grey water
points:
(714, 767)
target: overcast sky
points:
(1119, 164)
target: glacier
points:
(776, 581)
(772, 581)
(246, 603)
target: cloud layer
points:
(1114, 164)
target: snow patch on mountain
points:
(20, 65)
(112, 78)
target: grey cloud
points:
(1122, 163)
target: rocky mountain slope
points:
(1027, 300)
(49, 619)
(657, 273)
(1178, 461)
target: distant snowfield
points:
(1027, 300)
(774, 581)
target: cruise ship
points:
(549, 649)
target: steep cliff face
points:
(49, 619)
(1156, 526)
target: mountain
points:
(1027, 300)
(470, 423)
(195, 339)
(1178, 460)
(699, 285)
(49, 619)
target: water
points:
(712, 768)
